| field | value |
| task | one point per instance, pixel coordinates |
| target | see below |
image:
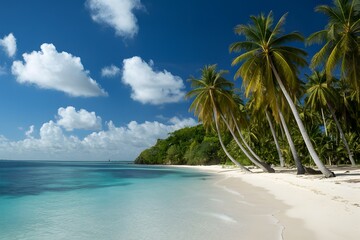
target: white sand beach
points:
(307, 206)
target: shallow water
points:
(100, 200)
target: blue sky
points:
(99, 79)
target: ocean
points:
(113, 200)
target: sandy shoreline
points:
(308, 207)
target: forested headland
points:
(190, 146)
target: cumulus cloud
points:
(9, 44)
(150, 86)
(51, 135)
(71, 119)
(110, 71)
(181, 123)
(117, 14)
(29, 132)
(132, 138)
(116, 142)
(50, 69)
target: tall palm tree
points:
(212, 88)
(321, 94)
(269, 64)
(342, 42)
(212, 93)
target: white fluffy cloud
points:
(71, 119)
(110, 71)
(9, 44)
(181, 123)
(118, 143)
(29, 132)
(50, 69)
(150, 86)
(117, 14)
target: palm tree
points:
(342, 42)
(214, 89)
(269, 64)
(211, 93)
(320, 94)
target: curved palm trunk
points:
(223, 146)
(244, 141)
(325, 128)
(264, 166)
(281, 158)
(323, 117)
(300, 168)
(327, 173)
(342, 135)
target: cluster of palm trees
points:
(269, 66)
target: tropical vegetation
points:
(190, 146)
(280, 117)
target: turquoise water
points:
(93, 200)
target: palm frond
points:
(246, 31)
(295, 55)
(243, 57)
(321, 56)
(240, 46)
(330, 12)
(333, 59)
(286, 38)
(278, 28)
(317, 37)
(284, 67)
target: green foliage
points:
(203, 153)
(341, 48)
(266, 47)
(190, 145)
(238, 155)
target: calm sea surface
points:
(108, 200)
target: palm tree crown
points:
(342, 41)
(211, 91)
(263, 46)
(213, 99)
(319, 91)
